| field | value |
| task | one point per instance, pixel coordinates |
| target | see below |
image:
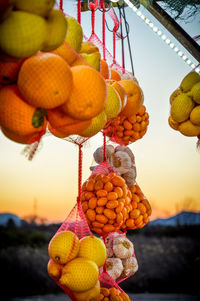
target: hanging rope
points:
(80, 157)
(122, 39)
(79, 11)
(61, 5)
(104, 146)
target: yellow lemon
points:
(54, 269)
(173, 124)
(92, 59)
(63, 247)
(96, 125)
(22, 34)
(174, 95)
(74, 35)
(181, 107)
(187, 128)
(80, 274)
(88, 47)
(113, 105)
(189, 81)
(38, 7)
(90, 294)
(195, 115)
(93, 248)
(195, 93)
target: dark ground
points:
(168, 257)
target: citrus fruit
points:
(38, 7)
(189, 81)
(173, 124)
(96, 125)
(22, 34)
(80, 274)
(66, 52)
(181, 107)
(74, 35)
(88, 95)
(174, 95)
(17, 116)
(104, 69)
(89, 294)
(121, 91)
(195, 92)
(135, 97)
(88, 249)
(22, 139)
(54, 269)
(187, 128)
(195, 115)
(88, 47)
(114, 74)
(9, 72)
(113, 104)
(45, 80)
(63, 247)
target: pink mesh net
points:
(121, 262)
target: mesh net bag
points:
(105, 200)
(140, 212)
(110, 290)
(126, 130)
(121, 261)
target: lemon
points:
(189, 81)
(174, 95)
(189, 129)
(93, 248)
(173, 124)
(38, 7)
(195, 115)
(80, 274)
(181, 107)
(75, 34)
(113, 105)
(54, 269)
(90, 294)
(195, 93)
(96, 125)
(88, 47)
(63, 247)
(22, 34)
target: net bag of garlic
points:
(121, 261)
(106, 200)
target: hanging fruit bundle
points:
(185, 106)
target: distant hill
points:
(6, 217)
(182, 218)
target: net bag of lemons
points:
(185, 106)
(109, 290)
(76, 256)
(121, 262)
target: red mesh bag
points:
(110, 290)
(121, 261)
(141, 210)
(105, 200)
(126, 130)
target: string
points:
(61, 5)
(103, 30)
(80, 157)
(104, 146)
(79, 11)
(122, 39)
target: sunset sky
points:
(168, 163)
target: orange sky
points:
(168, 164)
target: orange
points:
(122, 93)
(66, 52)
(19, 138)
(135, 97)
(9, 72)
(104, 69)
(115, 75)
(88, 95)
(45, 80)
(64, 124)
(18, 116)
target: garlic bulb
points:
(98, 154)
(121, 162)
(127, 150)
(109, 252)
(130, 176)
(130, 266)
(122, 247)
(114, 267)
